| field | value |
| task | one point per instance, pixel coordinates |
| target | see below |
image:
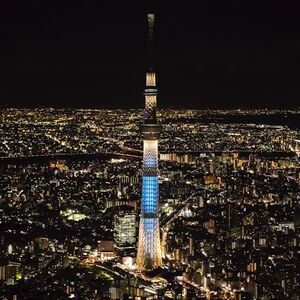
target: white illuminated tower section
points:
(149, 248)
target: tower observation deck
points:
(149, 247)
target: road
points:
(65, 156)
(177, 211)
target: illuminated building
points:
(124, 229)
(9, 272)
(149, 248)
(106, 250)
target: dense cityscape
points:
(70, 200)
(149, 202)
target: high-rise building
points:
(124, 228)
(149, 247)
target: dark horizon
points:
(140, 107)
(94, 55)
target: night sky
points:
(219, 54)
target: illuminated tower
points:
(149, 248)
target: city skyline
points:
(218, 56)
(171, 202)
(70, 195)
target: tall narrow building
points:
(149, 248)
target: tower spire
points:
(149, 248)
(151, 19)
(150, 90)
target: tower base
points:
(149, 248)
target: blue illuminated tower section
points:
(149, 248)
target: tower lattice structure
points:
(149, 247)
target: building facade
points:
(125, 229)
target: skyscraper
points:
(124, 228)
(149, 248)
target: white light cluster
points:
(150, 79)
(150, 101)
(150, 154)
